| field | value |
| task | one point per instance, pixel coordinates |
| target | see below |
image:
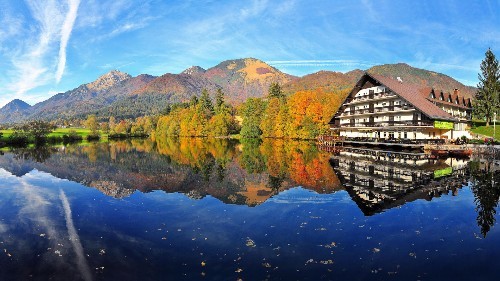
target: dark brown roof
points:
(413, 94)
(453, 96)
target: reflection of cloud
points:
(300, 196)
(3, 228)
(75, 239)
(37, 211)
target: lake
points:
(202, 209)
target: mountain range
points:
(123, 96)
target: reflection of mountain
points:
(195, 167)
(378, 183)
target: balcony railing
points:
(376, 96)
(394, 108)
(382, 124)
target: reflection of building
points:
(377, 183)
(386, 108)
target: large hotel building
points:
(381, 107)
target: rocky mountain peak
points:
(193, 70)
(108, 80)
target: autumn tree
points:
(112, 123)
(92, 125)
(488, 89)
(105, 127)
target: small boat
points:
(439, 153)
(461, 153)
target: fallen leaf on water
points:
(266, 265)
(250, 242)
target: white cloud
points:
(332, 63)
(29, 57)
(67, 27)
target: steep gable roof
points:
(413, 95)
(408, 92)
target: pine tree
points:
(275, 91)
(206, 103)
(219, 100)
(487, 97)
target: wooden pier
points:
(394, 149)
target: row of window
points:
(449, 99)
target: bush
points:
(54, 139)
(117, 136)
(93, 137)
(72, 137)
(17, 139)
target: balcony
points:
(383, 109)
(383, 124)
(376, 97)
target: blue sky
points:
(53, 46)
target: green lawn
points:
(487, 131)
(6, 133)
(59, 132)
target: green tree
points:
(275, 91)
(193, 101)
(252, 111)
(487, 97)
(219, 100)
(206, 103)
(38, 129)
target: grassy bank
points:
(58, 135)
(479, 127)
(59, 132)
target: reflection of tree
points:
(275, 182)
(221, 171)
(251, 159)
(484, 185)
(37, 154)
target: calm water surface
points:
(195, 209)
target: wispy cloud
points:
(354, 63)
(67, 27)
(30, 62)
